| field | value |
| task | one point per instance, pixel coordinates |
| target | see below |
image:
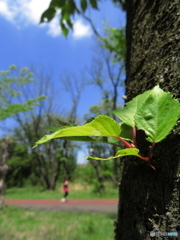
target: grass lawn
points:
(76, 191)
(19, 224)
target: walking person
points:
(65, 189)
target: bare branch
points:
(90, 22)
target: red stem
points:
(152, 167)
(134, 136)
(151, 150)
(143, 158)
(128, 145)
(147, 159)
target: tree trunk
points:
(65, 154)
(116, 168)
(149, 200)
(98, 174)
(3, 168)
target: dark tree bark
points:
(149, 200)
(3, 168)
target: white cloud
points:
(54, 28)
(22, 13)
(34, 8)
(5, 10)
(81, 30)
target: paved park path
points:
(74, 205)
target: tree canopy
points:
(9, 84)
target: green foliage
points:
(154, 111)
(84, 5)
(8, 85)
(94, 4)
(20, 165)
(68, 9)
(127, 115)
(158, 115)
(84, 173)
(115, 42)
(14, 108)
(96, 186)
(48, 14)
(126, 132)
(47, 160)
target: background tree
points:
(8, 84)
(47, 160)
(3, 167)
(19, 164)
(74, 86)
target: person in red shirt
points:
(65, 189)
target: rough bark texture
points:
(3, 168)
(149, 200)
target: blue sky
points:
(25, 42)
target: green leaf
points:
(100, 126)
(48, 15)
(86, 139)
(90, 139)
(94, 4)
(71, 7)
(81, 139)
(120, 153)
(57, 3)
(128, 113)
(128, 151)
(83, 5)
(126, 132)
(64, 29)
(158, 115)
(69, 23)
(113, 140)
